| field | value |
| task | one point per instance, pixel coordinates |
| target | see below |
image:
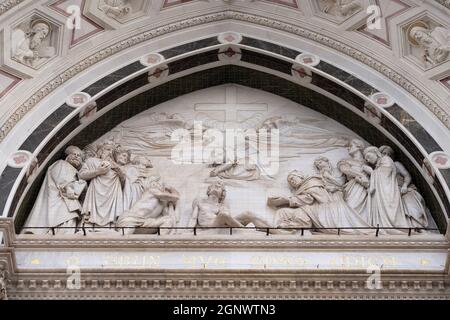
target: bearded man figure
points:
(435, 42)
(57, 206)
(28, 48)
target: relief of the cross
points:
(231, 107)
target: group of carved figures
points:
(122, 192)
(369, 189)
(117, 191)
(364, 191)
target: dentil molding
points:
(100, 55)
(204, 285)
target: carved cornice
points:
(56, 82)
(148, 283)
(9, 4)
(201, 285)
(293, 242)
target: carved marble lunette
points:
(331, 193)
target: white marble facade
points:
(142, 176)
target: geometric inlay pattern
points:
(7, 82)
(87, 27)
(389, 10)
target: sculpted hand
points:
(105, 164)
(214, 173)
(171, 189)
(404, 190)
(29, 54)
(365, 182)
(102, 171)
(368, 170)
(277, 201)
(70, 194)
(119, 171)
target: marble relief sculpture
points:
(316, 206)
(366, 190)
(341, 8)
(358, 175)
(435, 42)
(90, 151)
(386, 206)
(104, 197)
(58, 203)
(156, 208)
(115, 8)
(211, 212)
(136, 172)
(129, 182)
(28, 46)
(333, 179)
(236, 171)
(304, 135)
(412, 200)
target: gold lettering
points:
(277, 261)
(390, 261)
(203, 261)
(137, 261)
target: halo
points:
(413, 25)
(35, 22)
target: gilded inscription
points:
(277, 261)
(356, 261)
(133, 261)
(203, 261)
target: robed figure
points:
(58, 205)
(314, 206)
(386, 206)
(104, 198)
(358, 176)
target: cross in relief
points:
(231, 107)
